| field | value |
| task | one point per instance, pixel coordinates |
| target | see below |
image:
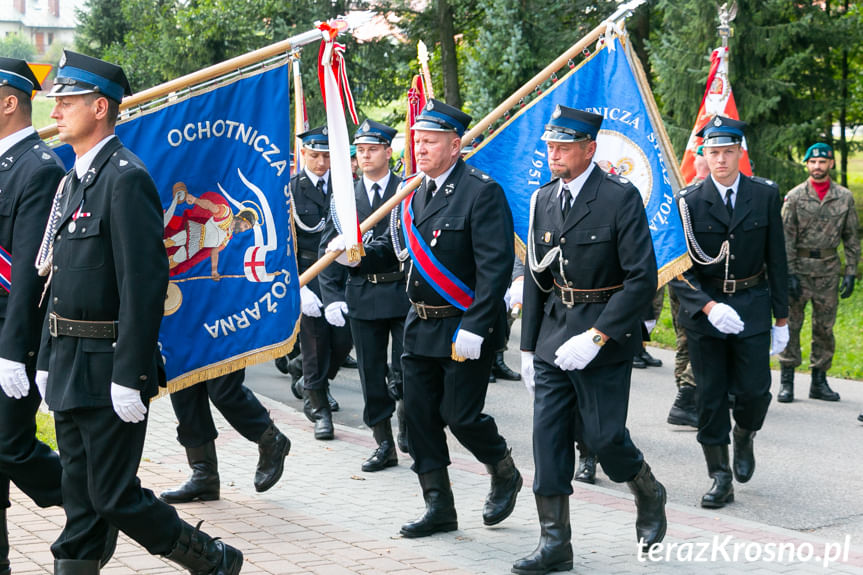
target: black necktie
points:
(320, 185)
(431, 186)
(728, 205)
(567, 202)
(376, 196)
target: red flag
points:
(718, 100)
(416, 103)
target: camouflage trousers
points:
(682, 369)
(824, 295)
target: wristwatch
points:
(597, 338)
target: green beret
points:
(699, 151)
(819, 150)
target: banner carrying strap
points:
(5, 270)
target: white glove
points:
(649, 324)
(468, 344)
(309, 302)
(13, 378)
(42, 382)
(527, 371)
(516, 291)
(335, 313)
(725, 319)
(338, 244)
(779, 336)
(127, 403)
(576, 352)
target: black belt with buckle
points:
(58, 326)
(570, 296)
(815, 254)
(733, 286)
(388, 277)
(435, 311)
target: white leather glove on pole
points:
(725, 319)
(516, 292)
(13, 379)
(338, 244)
(468, 344)
(527, 371)
(42, 382)
(576, 352)
(335, 313)
(127, 403)
(310, 303)
(779, 338)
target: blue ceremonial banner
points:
(628, 143)
(221, 162)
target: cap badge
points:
(430, 106)
(364, 127)
(717, 122)
(556, 113)
(63, 60)
(324, 131)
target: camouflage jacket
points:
(817, 226)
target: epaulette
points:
(122, 160)
(617, 179)
(478, 174)
(690, 188)
(765, 181)
(42, 152)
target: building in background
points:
(41, 22)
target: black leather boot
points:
(819, 389)
(402, 437)
(648, 359)
(719, 470)
(4, 544)
(786, 385)
(744, 454)
(554, 551)
(282, 364)
(586, 472)
(76, 567)
(683, 410)
(650, 521)
(440, 515)
(321, 414)
(203, 485)
(385, 454)
(297, 387)
(334, 405)
(203, 555)
(273, 447)
(295, 369)
(506, 482)
(501, 370)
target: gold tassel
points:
(356, 253)
(455, 356)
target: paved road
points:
(809, 476)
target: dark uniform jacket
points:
(605, 242)
(29, 174)
(757, 243)
(475, 244)
(311, 207)
(109, 265)
(366, 300)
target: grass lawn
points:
(45, 429)
(42, 112)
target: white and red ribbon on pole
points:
(334, 81)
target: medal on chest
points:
(435, 236)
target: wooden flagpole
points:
(621, 13)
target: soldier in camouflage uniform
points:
(817, 214)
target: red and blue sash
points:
(5, 270)
(452, 289)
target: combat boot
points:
(501, 370)
(650, 521)
(554, 551)
(273, 448)
(586, 472)
(819, 389)
(722, 491)
(402, 437)
(440, 515)
(204, 555)
(786, 385)
(506, 482)
(385, 454)
(76, 567)
(683, 410)
(4, 544)
(334, 405)
(204, 484)
(744, 454)
(321, 415)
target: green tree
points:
(15, 46)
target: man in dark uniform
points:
(29, 173)
(109, 273)
(739, 276)
(196, 431)
(324, 346)
(592, 272)
(461, 249)
(375, 303)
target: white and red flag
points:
(718, 100)
(416, 103)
